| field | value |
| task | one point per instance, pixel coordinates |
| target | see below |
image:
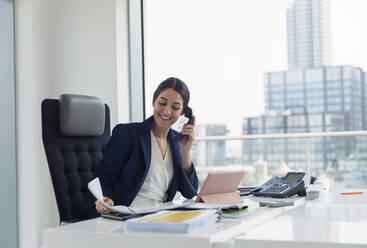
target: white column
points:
(61, 47)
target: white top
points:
(158, 179)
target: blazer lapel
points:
(175, 150)
(145, 141)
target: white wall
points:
(82, 49)
(64, 46)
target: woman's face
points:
(167, 108)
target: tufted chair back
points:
(74, 131)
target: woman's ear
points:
(153, 103)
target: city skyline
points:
(198, 54)
(317, 96)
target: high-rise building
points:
(311, 96)
(323, 99)
(210, 153)
(308, 34)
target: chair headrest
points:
(81, 115)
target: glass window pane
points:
(314, 75)
(277, 78)
(238, 73)
(347, 72)
(295, 76)
(333, 73)
(356, 74)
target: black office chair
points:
(74, 131)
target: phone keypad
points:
(276, 189)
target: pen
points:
(351, 193)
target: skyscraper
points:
(210, 153)
(308, 34)
(323, 99)
(312, 96)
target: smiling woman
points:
(143, 164)
(170, 98)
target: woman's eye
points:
(162, 103)
(175, 108)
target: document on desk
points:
(95, 188)
(200, 205)
(174, 221)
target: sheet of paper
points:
(95, 188)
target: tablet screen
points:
(221, 182)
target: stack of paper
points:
(173, 221)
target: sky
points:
(221, 49)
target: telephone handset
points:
(188, 114)
(289, 185)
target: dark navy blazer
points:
(126, 161)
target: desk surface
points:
(333, 222)
(100, 232)
(336, 221)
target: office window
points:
(314, 75)
(295, 76)
(277, 105)
(334, 100)
(316, 129)
(294, 102)
(333, 85)
(333, 92)
(356, 74)
(347, 72)
(277, 89)
(298, 87)
(277, 78)
(240, 62)
(334, 107)
(333, 73)
(315, 86)
(295, 94)
(347, 91)
(347, 83)
(217, 53)
(356, 86)
(315, 109)
(315, 93)
(276, 97)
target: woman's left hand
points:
(186, 143)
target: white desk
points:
(100, 232)
(336, 222)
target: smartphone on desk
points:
(120, 216)
(275, 203)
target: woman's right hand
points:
(103, 209)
